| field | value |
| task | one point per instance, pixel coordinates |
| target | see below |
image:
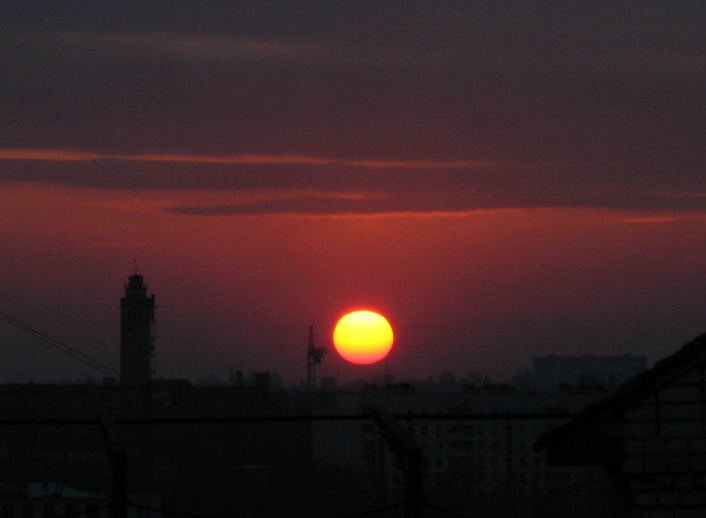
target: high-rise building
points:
(136, 336)
(552, 371)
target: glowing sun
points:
(363, 337)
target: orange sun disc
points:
(363, 337)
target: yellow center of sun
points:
(363, 337)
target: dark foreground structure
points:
(650, 435)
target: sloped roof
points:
(632, 392)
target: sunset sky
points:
(500, 179)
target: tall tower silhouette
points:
(136, 338)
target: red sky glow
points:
(502, 182)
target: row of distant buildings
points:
(549, 373)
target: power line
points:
(445, 511)
(66, 349)
(129, 421)
(373, 511)
(85, 511)
(60, 346)
(336, 417)
(189, 514)
(186, 514)
(48, 422)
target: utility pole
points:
(409, 455)
(117, 461)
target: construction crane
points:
(313, 359)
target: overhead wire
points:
(372, 511)
(186, 514)
(85, 511)
(250, 419)
(444, 511)
(189, 514)
(59, 345)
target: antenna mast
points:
(313, 358)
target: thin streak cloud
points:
(182, 46)
(655, 219)
(67, 155)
